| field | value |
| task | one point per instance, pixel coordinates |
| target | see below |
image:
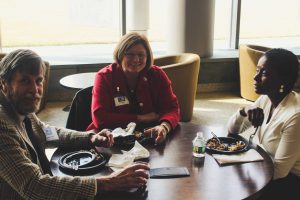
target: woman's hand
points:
(103, 138)
(159, 132)
(255, 115)
(149, 117)
(133, 176)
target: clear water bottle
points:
(199, 145)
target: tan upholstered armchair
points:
(248, 58)
(183, 70)
(2, 55)
(45, 88)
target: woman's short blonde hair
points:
(129, 40)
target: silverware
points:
(216, 137)
(225, 146)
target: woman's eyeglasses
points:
(132, 55)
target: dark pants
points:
(284, 188)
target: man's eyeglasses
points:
(132, 55)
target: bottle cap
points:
(199, 134)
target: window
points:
(273, 23)
(261, 22)
(59, 22)
(157, 20)
(222, 24)
(49, 26)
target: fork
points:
(250, 142)
(219, 141)
(215, 136)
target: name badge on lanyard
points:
(50, 133)
(121, 100)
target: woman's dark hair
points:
(286, 63)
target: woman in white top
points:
(276, 113)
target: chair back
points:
(248, 59)
(2, 55)
(79, 116)
(182, 70)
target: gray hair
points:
(24, 60)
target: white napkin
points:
(248, 156)
(138, 151)
(119, 161)
(124, 132)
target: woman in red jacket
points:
(132, 89)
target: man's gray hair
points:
(24, 60)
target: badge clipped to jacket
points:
(121, 100)
(50, 133)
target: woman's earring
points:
(281, 89)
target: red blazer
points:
(154, 94)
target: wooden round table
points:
(207, 181)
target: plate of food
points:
(228, 145)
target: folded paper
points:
(249, 156)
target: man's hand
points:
(103, 138)
(134, 176)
